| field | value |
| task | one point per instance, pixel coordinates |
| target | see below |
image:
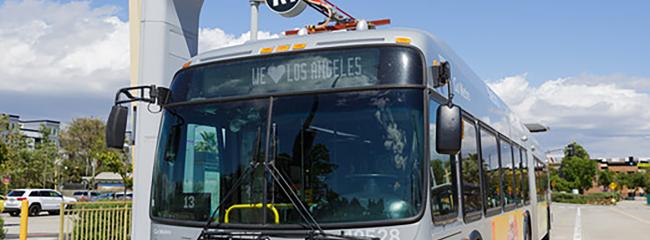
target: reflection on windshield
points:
(203, 151)
(350, 157)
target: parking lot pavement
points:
(626, 220)
(40, 227)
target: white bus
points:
(336, 135)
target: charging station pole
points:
(164, 35)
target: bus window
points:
(444, 203)
(544, 183)
(517, 171)
(540, 180)
(524, 174)
(470, 174)
(507, 167)
(492, 175)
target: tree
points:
(16, 154)
(558, 183)
(575, 150)
(4, 127)
(646, 185)
(577, 168)
(3, 152)
(82, 141)
(28, 162)
(42, 162)
(605, 178)
(115, 161)
(208, 143)
(635, 180)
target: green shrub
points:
(604, 198)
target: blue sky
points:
(546, 39)
(582, 67)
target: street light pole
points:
(255, 9)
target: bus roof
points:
(472, 93)
(315, 41)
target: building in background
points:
(621, 165)
(32, 129)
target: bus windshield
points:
(350, 157)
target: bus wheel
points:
(475, 235)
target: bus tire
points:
(475, 235)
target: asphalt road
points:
(41, 227)
(626, 220)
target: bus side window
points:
(508, 172)
(516, 152)
(491, 171)
(470, 174)
(540, 180)
(524, 174)
(543, 182)
(444, 184)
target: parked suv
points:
(83, 196)
(39, 200)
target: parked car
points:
(102, 196)
(39, 200)
(113, 196)
(122, 196)
(83, 196)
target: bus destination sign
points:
(311, 70)
(300, 71)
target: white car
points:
(39, 200)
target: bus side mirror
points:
(449, 129)
(116, 127)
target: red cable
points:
(337, 8)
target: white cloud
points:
(61, 47)
(212, 38)
(597, 110)
(58, 48)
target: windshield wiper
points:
(316, 232)
(254, 163)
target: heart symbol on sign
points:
(276, 73)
